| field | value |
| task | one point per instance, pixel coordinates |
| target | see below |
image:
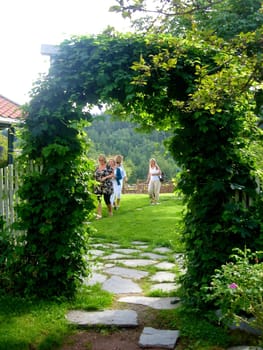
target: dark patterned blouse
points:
(105, 187)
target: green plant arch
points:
(163, 83)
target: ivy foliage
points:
(198, 89)
(56, 197)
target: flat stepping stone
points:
(143, 247)
(127, 250)
(96, 252)
(245, 347)
(247, 328)
(114, 256)
(97, 245)
(158, 338)
(137, 243)
(138, 262)
(125, 272)
(119, 285)
(165, 265)
(112, 245)
(163, 276)
(165, 287)
(119, 318)
(163, 250)
(153, 256)
(154, 303)
(95, 278)
(108, 265)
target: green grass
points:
(159, 225)
(41, 325)
(37, 324)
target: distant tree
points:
(112, 137)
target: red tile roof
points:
(9, 109)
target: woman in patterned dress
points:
(103, 174)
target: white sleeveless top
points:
(153, 172)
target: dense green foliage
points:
(199, 87)
(231, 17)
(112, 137)
(237, 289)
(225, 18)
(215, 137)
(212, 118)
(56, 200)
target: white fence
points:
(10, 179)
(8, 198)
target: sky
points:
(27, 24)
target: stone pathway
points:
(121, 271)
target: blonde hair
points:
(112, 160)
(118, 159)
(101, 156)
(153, 160)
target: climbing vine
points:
(200, 90)
(57, 200)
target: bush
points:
(237, 289)
(6, 254)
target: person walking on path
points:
(120, 176)
(153, 180)
(103, 175)
(112, 164)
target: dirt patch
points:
(124, 339)
(114, 339)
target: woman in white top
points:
(153, 180)
(112, 164)
(120, 179)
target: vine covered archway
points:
(184, 85)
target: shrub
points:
(237, 289)
(7, 244)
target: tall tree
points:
(225, 18)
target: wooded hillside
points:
(112, 137)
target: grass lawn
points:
(138, 220)
(41, 325)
